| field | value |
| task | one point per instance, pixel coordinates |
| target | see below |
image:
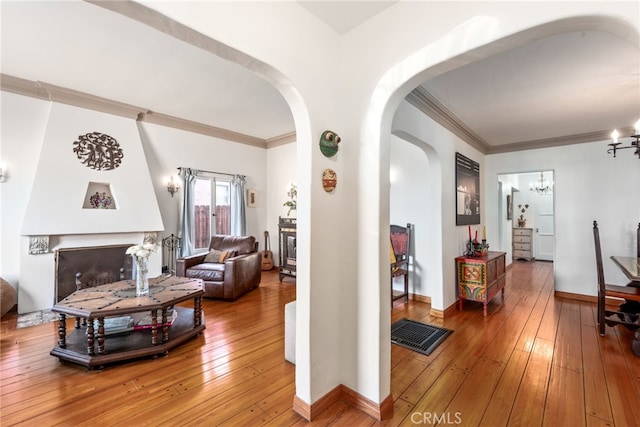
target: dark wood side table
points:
(89, 346)
(480, 278)
(287, 247)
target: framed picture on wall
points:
(509, 206)
(252, 198)
(467, 191)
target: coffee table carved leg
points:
(197, 311)
(154, 327)
(90, 337)
(165, 327)
(101, 335)
(62, 330)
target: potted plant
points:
(292, 203)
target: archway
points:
(418, 188)
(470, 42)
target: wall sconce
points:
(173, 185)
(634, 144)
(3, 176)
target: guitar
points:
(267, 255)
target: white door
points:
(544, 239)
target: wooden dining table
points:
(630, 266)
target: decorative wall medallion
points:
(38, 245)
(98, 151)
(329, 180)
(329, 143)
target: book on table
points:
(135, 321)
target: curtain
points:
(238, 212)
(187, 211)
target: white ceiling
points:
(554, 88)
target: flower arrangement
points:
(141, 253)
(521, 220)
(292, 204)
(100, 200)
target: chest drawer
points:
(522, 232)
(521, 254)
(522, 239)
(522, 246)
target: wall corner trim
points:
(379, 411)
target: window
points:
(211, 192)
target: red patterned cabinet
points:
(480, 278)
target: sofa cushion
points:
(215, 255)
(240, 244)
(207, 271)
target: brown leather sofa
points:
(236, 275)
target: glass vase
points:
(142, 278)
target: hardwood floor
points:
(534, 360)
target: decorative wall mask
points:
(98, 151)
(329, 143)
(329, 180)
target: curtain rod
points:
(216, 173)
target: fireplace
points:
(90, 266)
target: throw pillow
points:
(215, 255)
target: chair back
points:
(401, 241)
(596, 239)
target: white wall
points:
(281, 172)
(412, 124)
(415, 197)
(504, 237)
(61, 182)
(589, 185)
(24, 121)
(166, 149)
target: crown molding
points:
(276, 141)
(23, 87)
(49, 92)
(195, 127)
(557, 141)
(429, 105)
(426, 103)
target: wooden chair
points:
(628, 293)
(400, 250)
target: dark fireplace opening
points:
(90, 266)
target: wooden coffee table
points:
(89, 345)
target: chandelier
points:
(542, 186)
(634, 143)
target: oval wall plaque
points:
(329, 180)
